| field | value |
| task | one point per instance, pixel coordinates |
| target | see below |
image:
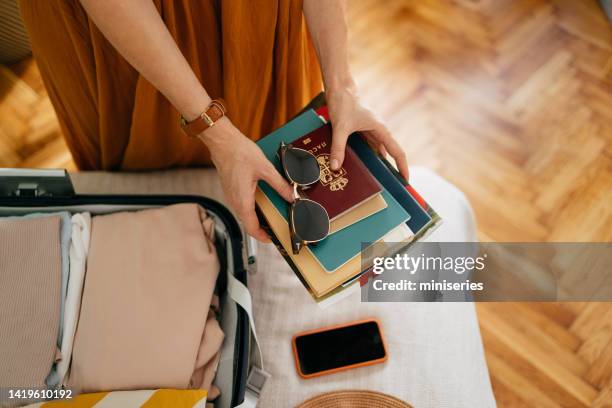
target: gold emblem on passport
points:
(334, 180)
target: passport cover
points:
(339, 191)
(340, 247)
(424, 218)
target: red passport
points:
(341, 190)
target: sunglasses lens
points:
(310, 220)
(301, 166)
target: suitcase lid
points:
(35, 183)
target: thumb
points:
(339, 138)
(278, 183)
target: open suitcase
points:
(240, 375)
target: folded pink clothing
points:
(30, 283)
(209, 354)
(148, 290)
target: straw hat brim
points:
(354, 399)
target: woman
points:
(120, 74)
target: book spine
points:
(266, 227)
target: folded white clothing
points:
(79, 247)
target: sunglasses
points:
(308, 220)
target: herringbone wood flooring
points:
(509, 99)
(29, 131)
(512, 101)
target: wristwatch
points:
(215, 111)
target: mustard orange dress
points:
(254, 54)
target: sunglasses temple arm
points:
(296, 245)
(296, 242)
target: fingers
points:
(251, 223)
(246, 201)
(277, 182)
(382, 150)
(394, 149)
(339, 138)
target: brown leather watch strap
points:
(215, 111)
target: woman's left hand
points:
(348, 115)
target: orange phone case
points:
(348, 367)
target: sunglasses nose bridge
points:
(295, 191)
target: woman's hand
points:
(326, 20)
(347, 116)
(241, 164)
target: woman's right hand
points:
(241, 164)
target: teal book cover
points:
(338, 248)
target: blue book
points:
(340, 247)
(419, 218)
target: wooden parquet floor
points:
(509, 99)
(29, 130)
(512, 101)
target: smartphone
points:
(341, 347)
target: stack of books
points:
(367, 202)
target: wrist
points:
(219, 136)
(340, 83)
(341, 96)
(215, 111)
(194, 109)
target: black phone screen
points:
(341, 347)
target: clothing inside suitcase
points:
(234, 362)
